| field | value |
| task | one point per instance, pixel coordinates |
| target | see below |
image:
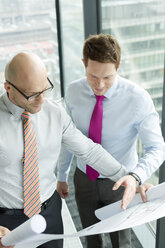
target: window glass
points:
(139, 26)
(30, 26)
(73, 39)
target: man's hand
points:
(3, 232)
(63, 189)
(130, 184)
(143, 189)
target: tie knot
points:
(99, 98)
(26, 115)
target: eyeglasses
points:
(36, 95)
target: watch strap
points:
(136, 177)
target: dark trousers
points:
(51, 211)
(91, 195)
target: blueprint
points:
(112, 218)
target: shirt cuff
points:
(62, 177)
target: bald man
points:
(26, 86)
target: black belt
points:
(9, 211)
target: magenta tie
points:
(95, 128)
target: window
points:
(73, 39)
(139, 26)
(30, 26)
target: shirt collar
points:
(109, 92)
(15, 110)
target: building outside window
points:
(73, 39)
(139, 26)
(30, 26)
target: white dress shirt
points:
(128, 111)
(53, 126)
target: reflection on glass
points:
(73, 39)
(30, 26)
(139, 26)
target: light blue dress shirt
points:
(128, 111)
(53, 127)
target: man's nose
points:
(40, 98)
(100, 83)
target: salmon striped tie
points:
(32, 203)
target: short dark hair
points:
(103, 48)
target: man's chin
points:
(99, 92)
(35, 109)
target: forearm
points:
(108, 166)
(149, 163)
(64, 165)
(98, 158)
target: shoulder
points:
(76, 85)
(53, 108)
(54, 114)
(133, 90)
(3, 107)
(76, 90)
(137, 98)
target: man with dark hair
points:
(112, 111)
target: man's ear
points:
(83, 63)
(7, 86)
(118, 67)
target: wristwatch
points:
(136, 177)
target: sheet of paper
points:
(113, 218)
(153, 193)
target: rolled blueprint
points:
(28, 229)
